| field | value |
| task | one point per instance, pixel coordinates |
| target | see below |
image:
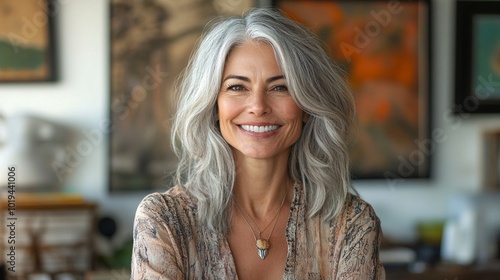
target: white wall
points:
(81, 98)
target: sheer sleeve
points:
(359, 258)
(155, 252)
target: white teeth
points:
(259, 129)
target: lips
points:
(259, 128)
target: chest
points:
(248, 264)
(299, 249)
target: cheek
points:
(291, 111)
(227, 111)
(223, 109)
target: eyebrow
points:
(246, 79)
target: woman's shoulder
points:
(176, 194)
(170, 202)
(357, 210)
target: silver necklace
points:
(261, 243)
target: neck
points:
(260, 186)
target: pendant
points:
(262, 246)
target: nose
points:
(258, 103)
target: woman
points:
(263, 182)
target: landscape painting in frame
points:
(151, 42)
(486, 55)
(383, 47)
(477, 57)
(26, 41)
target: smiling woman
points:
(258, 117)
(263, 187)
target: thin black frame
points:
(466, 101)
(491, 154)
(420, 172)
(51, 9)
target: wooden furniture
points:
(54, 234)
(449, 272)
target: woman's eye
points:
(281, 88)
(236, 88)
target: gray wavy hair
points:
(319, 159)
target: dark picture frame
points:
(150, 44)
(491, 169)
(477, 57)
(27, 41)
(384, 48)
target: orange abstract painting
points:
(383, 48)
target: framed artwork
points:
(383, 46)
(151, 42)
(477, 62)
(27, 41)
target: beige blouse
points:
(169, 242)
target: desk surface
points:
(45, 201)
(447, 272)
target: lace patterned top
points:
(169, 242)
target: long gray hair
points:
(319, 159)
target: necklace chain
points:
(262, 244)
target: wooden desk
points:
(50, 234)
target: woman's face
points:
(258, 117)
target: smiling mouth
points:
(259, 128)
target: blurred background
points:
(84, 125)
